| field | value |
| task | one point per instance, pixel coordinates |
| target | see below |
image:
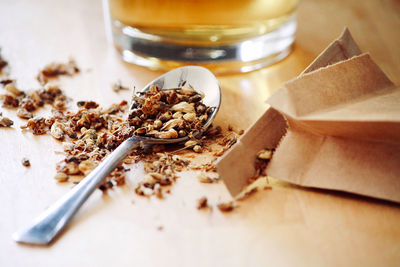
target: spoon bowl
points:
(198, 78)
(52, 221)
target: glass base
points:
(156, 52)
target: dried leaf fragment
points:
(55, 69)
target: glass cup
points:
(226, 36)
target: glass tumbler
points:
(226, 36)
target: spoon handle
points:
(56, 217)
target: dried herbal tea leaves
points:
(92, 132)
(170, 113)
(55, 69)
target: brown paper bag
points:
(343, 118)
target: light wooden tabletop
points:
(285, 226)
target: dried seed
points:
(61, 177)
(149, 180)
(190, 117)
(5, 122)
(203, 178)
(186, 90)
(56, 131)
(157, 124)
(190, 143)
(226, 206)
(72, 168)
(86, 166)
(182, 133)
(184, 107)
(177, 115)
(141, 131)
(201, 109)
(195, 98)
(197, 149)
(174, 123)
(265, 154)
(203, 118)
(25, 162)
(13, 90)
(166, 116)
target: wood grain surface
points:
(285, 226)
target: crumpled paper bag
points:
(336, 126)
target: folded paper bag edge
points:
(340, 49)
(330, 87)
(236, 173)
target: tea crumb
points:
(3, 63)
(226, 206)
(202, 203)
(5, 122)
(25, 162)
(56, 69)
(61, 177)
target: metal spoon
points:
(52, 221)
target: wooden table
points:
(285, 226)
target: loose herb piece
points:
(226, 206)
(4, 82)
(25, 162)
(5, 122)
(54, 70)
(27, 103)
(203, 178)
(3, 62)
(202, 203)
(261, 162)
